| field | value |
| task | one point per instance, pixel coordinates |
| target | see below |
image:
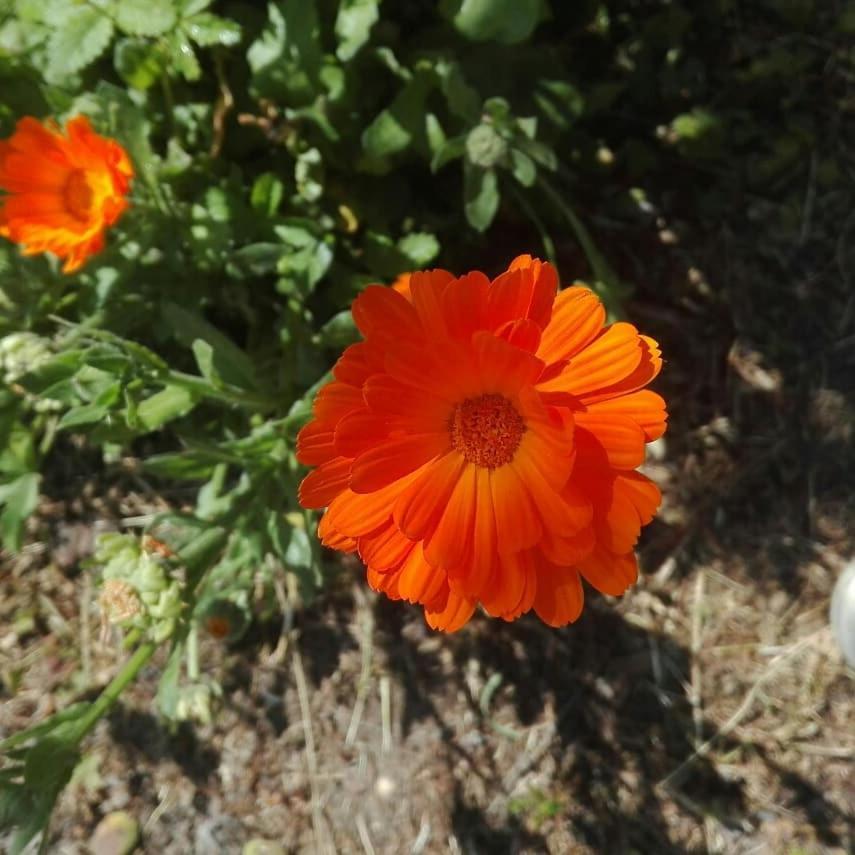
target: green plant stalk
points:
(611, 287)
(101, 706)
(227, 394)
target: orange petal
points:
(406, 407)
(648, 368)
(315, 444)
(544, 287)
(359, 431)
(471, 577)
(357, 514)
(381, 311)
(384, 583)
(464, 303)
(358, 362)
(419, 507)
(454, 613)
(645, 408)
(518, 524)
(426, 290)
(419, 581)
(642, 492)
(609, 573)
(451, 542)
(503, 368)
(335, 400)
(566, 550)
(619, 525)
(505, 593)
(332, 538)
(563, 512)
(395, 458)
(323, 484)
(559, 597)
(608, 360)
(385, 548)
(523, 333)
(577, 318)
(611, 439)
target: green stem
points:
(608, 283)
(110, 695)
(227, 394)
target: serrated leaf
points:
(208, 29)
(83, 37)
(182, 57)
(145, 17)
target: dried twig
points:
(744, 708)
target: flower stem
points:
(102, 704)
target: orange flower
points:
(402, 284)
(63, 191)
(479, 445)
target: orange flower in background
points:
(63, 191)
(479, 446)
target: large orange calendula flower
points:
(480, 445)
(63, 191)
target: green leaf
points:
(86, 414)
(231, 363)
(286, 58)
(485, 147)
(181, 465)
(182, 57)
(173, 402)
(145, 17)
(256, 259)
(78, 42)
(207, 30)
(523, 168)
(267, 193)
(480, 195)
(399, 126)
(506, 21)
(139, 63)
(19, 499)
(451, 150)
(338, 332)
(420, 248)
(353, 26)
(168, 687)
(204, 354)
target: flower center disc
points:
(78, 195)
(487, 430)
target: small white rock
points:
(842, 613)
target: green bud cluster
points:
(145, 576)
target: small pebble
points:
(118, 833)
(257, 846)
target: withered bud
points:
(119, 601)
